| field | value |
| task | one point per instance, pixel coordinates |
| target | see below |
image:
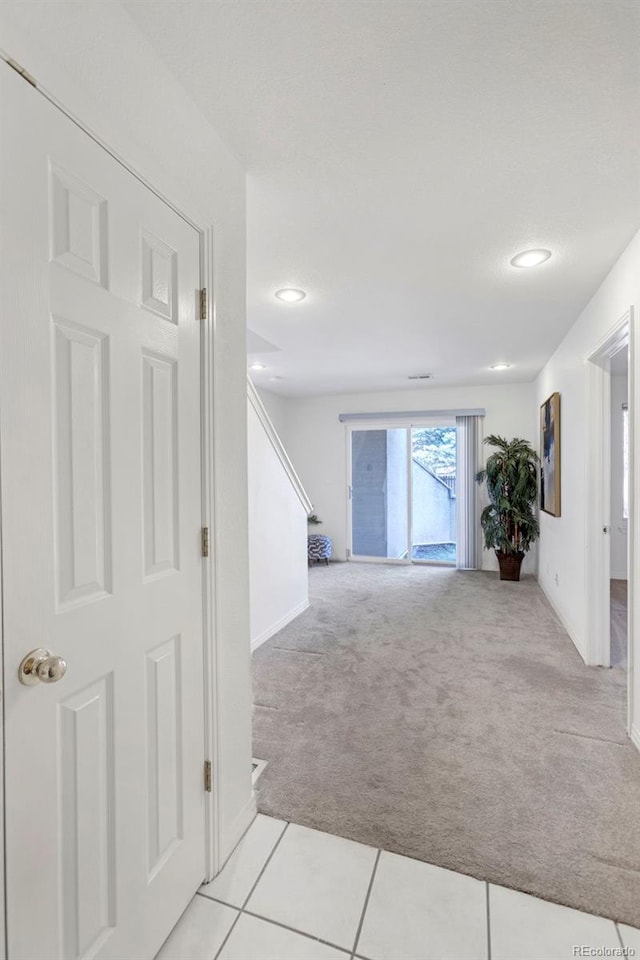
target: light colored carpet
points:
(619, 623)
(447, 716)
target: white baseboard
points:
(561, 617)
(239, 827)
(279, 624)
(635, 736)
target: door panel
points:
(101, 498)
(160, 440)
(164, 786)
(78, 225)
(433, 493)
(82, 464)
(86, 745)
(379, 493)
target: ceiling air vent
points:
(421, 376)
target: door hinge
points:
(203, 304)
(205, 541)
(208, 776)
(350, 491)
(21, 70)
(348, 553)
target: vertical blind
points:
(468, 527)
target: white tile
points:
(630, 937)
(254, 939)
(316, 883)
(417, 911)
(200, 931)
(525, 928)
(234, 882)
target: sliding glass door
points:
(403, 493)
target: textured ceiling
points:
(399, 154)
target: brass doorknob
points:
(40, 666)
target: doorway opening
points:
(619, 507)
(610, 510)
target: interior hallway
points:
(447, 716)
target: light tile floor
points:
(290, 893)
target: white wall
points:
(619, 539)
(93, 59)
(276, 408)
(316, 440)
(278, 571)
(562, 546)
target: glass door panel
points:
(433, 494)
(380, 493)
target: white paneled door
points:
(101, 519)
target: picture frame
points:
(550, 459)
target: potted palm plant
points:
(509, 523)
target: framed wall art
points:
(550, 455)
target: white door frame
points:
(598, 499)
(209, 469)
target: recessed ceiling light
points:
(290, 295)
(530, 258)
(257, 366)
(500, 366)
